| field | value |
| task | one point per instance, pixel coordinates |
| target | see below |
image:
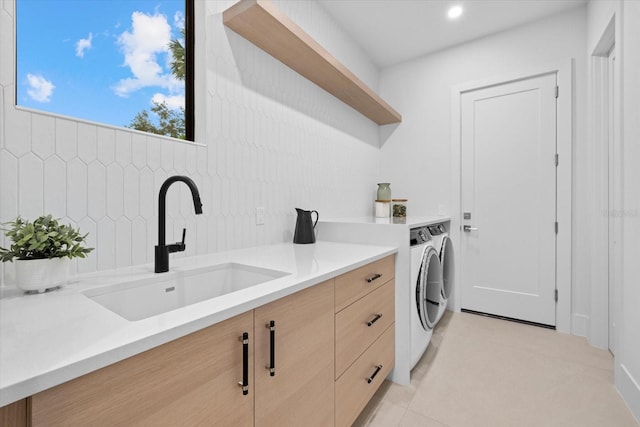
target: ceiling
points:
(393, 31)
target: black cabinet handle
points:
(245, 363)
(272, 353)
(370, 379)
(374, 320)
(374, 277)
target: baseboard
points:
(579, 325)
(630, 391)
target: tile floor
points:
(479, 371)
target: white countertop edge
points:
(28, 386)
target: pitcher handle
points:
(317, 218)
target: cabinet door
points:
(190, 381)
(14, 414)
(300, 393)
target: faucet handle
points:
(179, 246)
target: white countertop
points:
(48, 339)
(409, 221)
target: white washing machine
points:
(444, 246)
(426, 290)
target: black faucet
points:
(162, 249)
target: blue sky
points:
(100, 60)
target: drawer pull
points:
(374, 320)
(374, 277)
(370, 379)
(245, 363)
(272, 353)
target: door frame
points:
(564, 135)
(601, 142)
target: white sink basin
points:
(140, 299)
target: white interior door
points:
(508, 199)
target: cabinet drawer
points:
(353, 389)
(355, 284)
(360, 324)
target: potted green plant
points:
(42, 250)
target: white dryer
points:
(444, 246)
(426, 291)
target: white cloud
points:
(82, 45)
(149, 37)
(179, 20)
(40, 89)
(173, 101)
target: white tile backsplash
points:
(269, 138)
(106, 145)
(87, 142)
(30, 185)
(66, 139)
(106, 244)
(123, 148)
(7, 65)
(139, 150)
(115, 191)
(16, 124)
(9, 186)
(124, 241)
(55, 186)
(77, 186)
(97, 185)
(42, 127)
(131, 192)
(139, 241)
(147, 208)
(90, 263)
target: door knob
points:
(468, 228)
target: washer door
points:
(446, 262)
(429, 288)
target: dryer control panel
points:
(419, 236)
(436, 229)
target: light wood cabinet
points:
(15, 414)
(308, 357)
(301, 391)
(190, 381)
(365, 336)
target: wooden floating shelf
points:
(260, 22)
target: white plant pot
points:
(41, 274)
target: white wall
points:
(625, 15)
(628, 381)
(421, 90)
(268, 137)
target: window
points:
(120, 62)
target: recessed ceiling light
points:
(454, 12)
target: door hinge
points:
(556, 225)
(557, 159)
(556, 295)
(557, 91)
